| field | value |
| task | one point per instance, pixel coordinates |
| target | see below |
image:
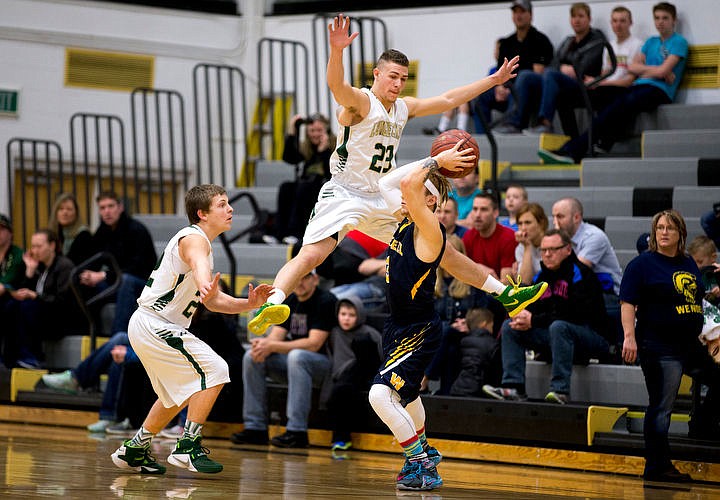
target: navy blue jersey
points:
(410, 282)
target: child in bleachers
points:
(516, 197)
(703, 251)
(480, 355)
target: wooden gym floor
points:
(42, 461)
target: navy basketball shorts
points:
(408, 350)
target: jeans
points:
(528, 89)
(88, 372)
(483, 105)
(369, 291)
(300, 368)
(562, 93)
(662, 379)
(126, 301)
(566, 341)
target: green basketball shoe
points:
(137, 458)
(515, 298)
(191, 455)
(268, 314)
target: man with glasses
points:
(568, 322)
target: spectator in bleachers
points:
(532, 224)
(132, 246)
(516, 197)
(535, 51)
(355, 351)
(12, 266)
(464, 191)
(293, 352)
(75, 237)
(568, 322)
(704, 253)
(296, 199)
(558, 87)
(447, 214)
(357, 268)
(43, 307)
(626, 47)
(710, 222)
(593, 248)
(453, 299)
(488, 243)
(659, 68)
(463, 117)
(662, 316)
(480, 362)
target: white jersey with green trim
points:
(366, 151)
(170, 292)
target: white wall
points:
(453, 45)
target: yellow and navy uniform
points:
(412, 331)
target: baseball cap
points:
(523, 4)
(5, 222)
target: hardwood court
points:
(44, 461)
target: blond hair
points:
(456, 289)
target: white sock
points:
(444, 123)
(492, 285)
(386, 404)
(277, 297)
(462, 120)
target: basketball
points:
(447, 140)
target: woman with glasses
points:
(662, 315)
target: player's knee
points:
(379, 395)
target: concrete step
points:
(664, 143)
(645, 172)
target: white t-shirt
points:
(625, 52)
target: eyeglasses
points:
(660, 229)
(552, 249)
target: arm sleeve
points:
(390, 185)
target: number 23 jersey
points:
(170, 291)
(366, 151)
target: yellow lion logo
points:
(686, 285)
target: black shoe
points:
(291, 439)
(431, 131)
(668, 476)
(250, 436)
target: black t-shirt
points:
(318, 312)
(536, 48)
(668, 293)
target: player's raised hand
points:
(457, 158)
(507, 70)
(257, 296)
(339, 32)
(210, 290)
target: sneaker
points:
(124, 427)
(290, 240)
(101, 425)
(422, 475)
(269, 314)
(556, 397)
(503, 393)
(250, 436)
(191, 455)
(671, 475)
(291, 439)
(269, 239)
(515, 298)
(431, 131)
(506, 128)
(29, 364)
(538, 129)
(341, 445)
(552, 158)
(174, 432)
(137, 458)
(433, 455)
(63, 381)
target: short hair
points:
(576, 207)
(667, 7)
(580, 6)
(622, 8)
(521, 188)
(52, 237)
(476, 316)
(108, 195)
(393, 56)
(199, 198)
(677, 219)
(564, 236)
(537, 211)
(453, 201)
(489, 195)
(701, 245)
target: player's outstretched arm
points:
(339, 38)
(459, 95)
